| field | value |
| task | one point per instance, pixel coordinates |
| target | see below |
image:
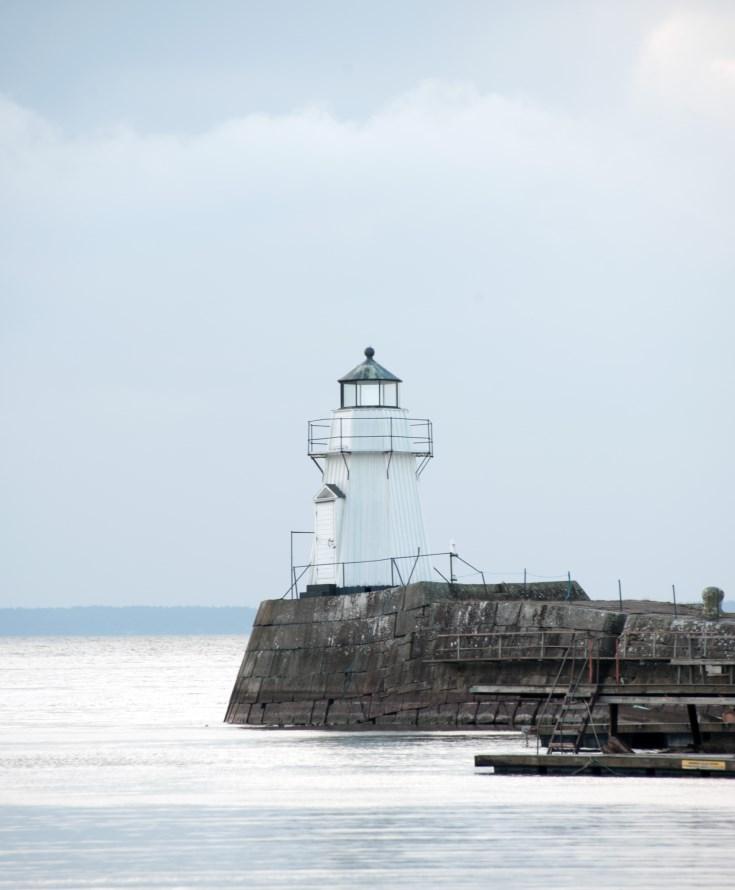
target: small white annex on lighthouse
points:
(368, 524)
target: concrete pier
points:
(440, 656)
(368, 659)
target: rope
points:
(593, 762)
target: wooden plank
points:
(450, 658)
(704, 661)
(710, 700)
(668, 688)
(624, 693)
(720, 765)
(516, 690)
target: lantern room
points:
(369, 385)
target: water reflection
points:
(117, 771)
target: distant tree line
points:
(126, 620)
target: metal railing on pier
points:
(675, 647)
(540, 645)
(399, 570)
(711, 643)
(533, 645)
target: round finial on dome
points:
(370, 352)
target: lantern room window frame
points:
(379, 393)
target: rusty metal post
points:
(590, 672)
(694, 724)
(612, 729)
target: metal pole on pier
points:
(294, 579)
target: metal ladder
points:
(573, 718)
(567, 734)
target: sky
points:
(208, 211)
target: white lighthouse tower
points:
(368, 525)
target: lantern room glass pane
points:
(349, 395)
(369, 394)
(390, 394)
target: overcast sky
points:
(208, 210)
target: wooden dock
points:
(687, 696)
(720, 766)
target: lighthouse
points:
(368, 524)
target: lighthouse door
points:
(325, 549)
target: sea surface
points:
(116, 771)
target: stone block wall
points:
(366, 659)
(370, 659)
(651, 638)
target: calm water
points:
(116, 771)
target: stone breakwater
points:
(366, 659)
(375, 659)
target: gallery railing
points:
(386, 435)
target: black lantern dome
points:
(369, 385)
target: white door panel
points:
(326, 547)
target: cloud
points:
(436, 127)
(687, 64)
(448, 140)
(175, 303)
(441, 133)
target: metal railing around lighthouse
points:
(396, 564)
(386, 435)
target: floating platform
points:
(594, 764)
